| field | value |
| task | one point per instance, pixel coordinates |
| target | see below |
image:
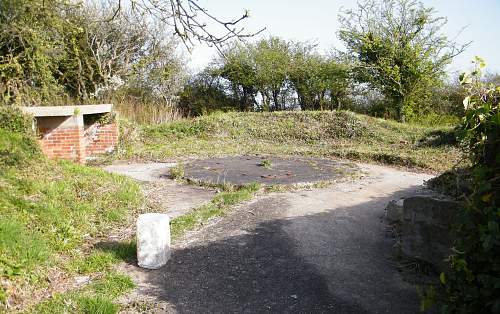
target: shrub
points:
(472, 284)
(13, 119)
(17, 141)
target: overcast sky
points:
(317, 20)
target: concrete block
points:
(426, 227)
(153, 240)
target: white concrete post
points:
(153, 240)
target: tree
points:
(31, 45)
(190, 21)
(398, 48)
(57, 50)
(272, 60)
(237, 66)
(283, 73)
(320, 82)
(205, 93)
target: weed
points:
(96, 305)
(177, 172)
(219, 206)
(266, 163)
(95, 262)
(113, 285)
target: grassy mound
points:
(314, 133)
(51, 212)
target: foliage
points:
(29, 48)
(57, 51)
(398, 48)
(320, 82)
(12, 119)
(472, 285)
(281, 74)
(205, 93)
(17, 141)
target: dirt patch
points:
(266, 170)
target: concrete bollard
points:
(153, 240)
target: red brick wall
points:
(68, 138)
(100, 139)
(63, 143)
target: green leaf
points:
(442, 278)
(466, 102)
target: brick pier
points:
(74, 132)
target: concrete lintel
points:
(64, 111)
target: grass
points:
(266, 163)
(103, 257)
(177, 171)
(218, 206)
(51, 212)
(98, 297)
(317, 133)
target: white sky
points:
(316, 20)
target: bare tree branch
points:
(191, 22)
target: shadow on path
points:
(256, 261)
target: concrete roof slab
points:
(61, 111)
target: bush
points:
(472, 284)
(17, 141)
(13, 119)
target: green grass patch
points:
(114, 285)
(103, 257)
(50, 210)
(312, 133)
(219, 206)
(98, 297)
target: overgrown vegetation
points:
(59, 52)
(399, 49)
(472, 283)
(323, 133)
(51, 212)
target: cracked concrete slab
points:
(242, 170)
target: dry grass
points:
(152, 112)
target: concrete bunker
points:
(75, 133)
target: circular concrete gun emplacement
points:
(267, 170)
